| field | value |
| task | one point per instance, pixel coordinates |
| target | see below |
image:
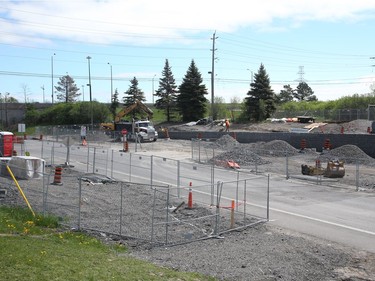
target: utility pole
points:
(213, 76)
(111, 83)
(43, 94)
(52, 76)
(153, 89)
(90, 89)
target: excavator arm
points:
(137, 104)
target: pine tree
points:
(166, 92)
(286, 95)
(67, 90)
(114, 104)
(304, 93)
(191, 101)
(134, 93)
(260, 100)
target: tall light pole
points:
(66, 88)
(213, 75)
(83, 92)
(6, 109)
(89, 84)
(2, 109)
(252, 76)
(153, 88)
(44, 100)
(52, 76)
(111, 83)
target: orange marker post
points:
(232, 214)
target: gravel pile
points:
(351, 154)
(227, 141)
(250, 154)
(276, 148)
(241, 155)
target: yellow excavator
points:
(137, 105)
(137, 130)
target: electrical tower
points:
(301, 72)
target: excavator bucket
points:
(335, 169)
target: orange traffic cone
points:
(84, 142)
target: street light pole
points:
(252, 76)
(52, 76)
(89, 84)
(153, 88)
(111, 83)
(213, 76)
(83, 92)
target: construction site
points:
(236, 246)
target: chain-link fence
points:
(347, 165)
(150, 215)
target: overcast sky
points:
(328, 44)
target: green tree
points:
(31, 115)
(286, 95)
(191, 101)
(234, 106)
(134, 93)
(304, 93)
(166, 92)
(67, 90)
(260, 100)
(220, 109)
(73, 113)
(114, 105)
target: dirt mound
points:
(276, 148)
(226, 141)
(241, 155)
(351, 154)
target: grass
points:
(35, 248)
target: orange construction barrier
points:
(57, 178)
(126, 146)
(190, 197)
(327, 144)
(232, 164)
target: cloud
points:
(150, 22)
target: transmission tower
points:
(301, 72)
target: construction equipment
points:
(335, 169)
(136, 106)
(137, 130)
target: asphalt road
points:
(341, 215)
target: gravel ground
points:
(262, 252)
